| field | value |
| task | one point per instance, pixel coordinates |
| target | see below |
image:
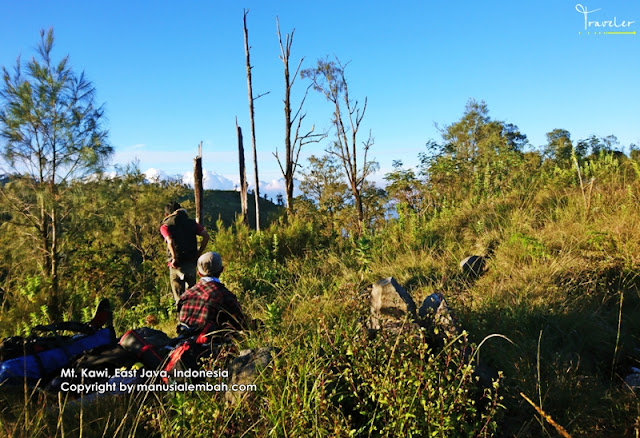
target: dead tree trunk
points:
(197, 183)
(253, 129)
(288, 171)
(293, 141)
(243, 177)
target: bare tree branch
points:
(328, 78)
(294, 145)
(260, 95)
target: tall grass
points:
(554, 287)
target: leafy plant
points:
(398, 385)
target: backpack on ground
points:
(147, 344)
(41, 356)
(97, 365)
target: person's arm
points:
(164, 230)
(203, 242)
(172, 250)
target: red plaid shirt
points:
(210, 301)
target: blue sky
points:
(173, 74)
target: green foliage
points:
(562, 285)
(528, 247)
(324, 184)
(397, 385)
(601, 241)
(52, 133)
(479, 158)
(112, 250)
(49, 119)
(31, 288)
(559, 148)
(363, 253)
(225, 205)
(404, 188)
(274, 315)
(598, 145)
(602, 167)
(39, 318)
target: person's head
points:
(171, 207)
(210, 264)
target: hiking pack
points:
(192, 350)
(147, 345)
(50, 357)
(40, 356)
(183, 232)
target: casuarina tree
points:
(51, 132)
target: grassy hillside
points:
(225, 205)
(562, 286)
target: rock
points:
(476, 265)
(435, 312)
(245, 369)
(393, 309)
(430, 305)
(473, 266)
(391, 304)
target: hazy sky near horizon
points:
(172, 74)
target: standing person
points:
(179, 231)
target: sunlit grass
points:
(562, 285)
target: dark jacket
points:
(183, 233)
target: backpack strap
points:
(71, 326)
(174, 357)
(208, 328)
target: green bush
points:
(398, 385)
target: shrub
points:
(398, 385)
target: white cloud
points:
(96, 176)
(275, 187)
(155, 175)
(272, 188)
(210, 181)
(110, 174)
(215, 181)
(173, 161)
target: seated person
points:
(209, 304)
